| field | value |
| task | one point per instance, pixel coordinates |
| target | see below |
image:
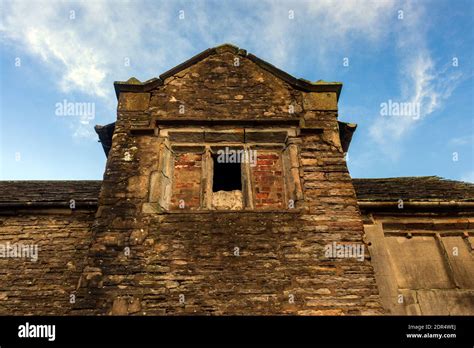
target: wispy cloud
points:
(346, 19)
(47, 32)
(86, 45)
(422, 81)
(462, 140)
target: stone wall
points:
(230, 87)
(48, 285)
(148, 260)
(423, 260)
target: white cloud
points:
(421, 85)
(47, 32)
(462, 140)
(468, 177)
(317, 28)
(86, 54)
(423, 81)
(353, 17)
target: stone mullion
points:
(206, 179)
(295, 167)
(286, 171)
(247, 182)
(170, 174)
(291, 168)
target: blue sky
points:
(415, 52)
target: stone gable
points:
(225, 86)
(166, 243)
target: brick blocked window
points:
(268, 182)
(190, 177)
(186, 183)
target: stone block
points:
(319, 101)
(215, 137)
(134, 101)
(186, 137)
(265, 137)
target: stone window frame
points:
(194, 141)
(207, 177)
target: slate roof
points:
(49, 193)
(86, 192)
(418, 188)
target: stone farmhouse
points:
(226, 192)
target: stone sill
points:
(150, 208)
(292, 211)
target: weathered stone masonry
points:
(62, 237)
(250, 261)
(160, 235)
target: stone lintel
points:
(188, 149)
(267, 137)
(216, 137)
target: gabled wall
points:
(146, 260)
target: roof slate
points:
(49, 192)
(421, 188)
(86, 192)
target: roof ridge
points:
(401, 177)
